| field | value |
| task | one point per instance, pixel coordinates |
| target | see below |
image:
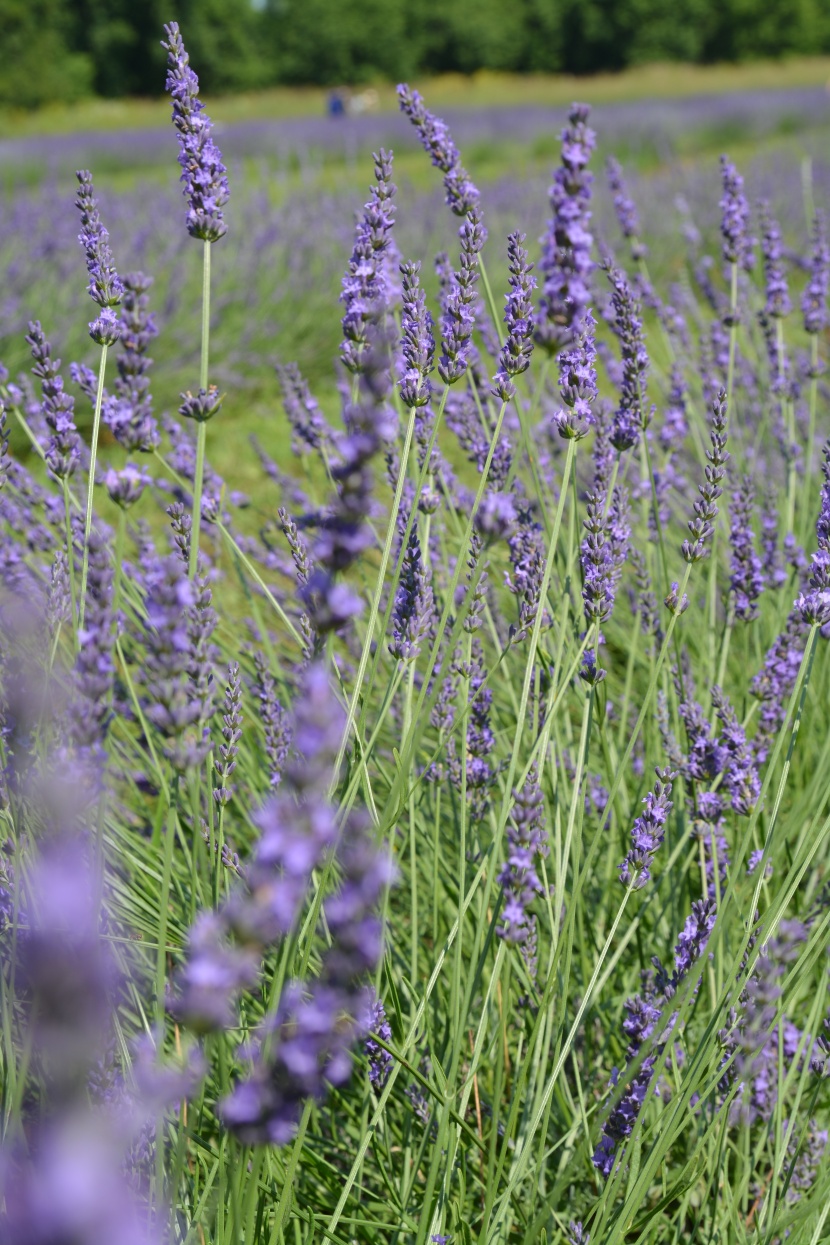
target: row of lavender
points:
(326, 907)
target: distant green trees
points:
(63, 49)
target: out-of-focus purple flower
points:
(413, 609)
(307, 421)
(231, 735)
(577, 1234)
(778, 302)
(126, 486)
(458, 319)
(738, 245)
(212, 975)
(365, 293)
(774, 682)
(202, 405)
(105, 286)
(814, 298)
(173, 707)
(514, 357)
(648, 832)
(631, 416)
(128, 410)
(4, 444)
(747, 578)
(59, 600)
(63, 453)
(380, 1061)
(566, 265)
(436, 139)
(94, 666)
(706, 510)
(203, 174)
(418, 343)
(625, 209)
(675, 424)
(578, 383)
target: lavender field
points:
(413, 678)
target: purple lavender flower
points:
(518, 316)
(458, 319)
(59, 600)
(412, 613)
(63, 453)
(365, 291)
(814, 605)
(380, 1061)
(418, 343)
(174, 709)
(577, 1234)
(706, 510)
(4, 445)
(625, 209)
(741, 781)
(126, 486)
(814, 298)
(274, 721)
(631, 416)
(231, 735)
(203, 174)
(566, 263)
(462, 195)
(747, 579)
(648, 832)
(105, 286)
(526, 842)
(738, 245)
(308, 423)
(94, 665)
(214, 972)
(128, 411)
(578, 383)
(778, 302)
(603, 553)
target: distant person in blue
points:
(335, 106)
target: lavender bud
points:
(462, 195)
(201, 406)
(706, 510)
(126, 486)
(514, 357)
(738, 245)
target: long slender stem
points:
(201, 432)
(93, 455)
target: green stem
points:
(201, 433)
(90, 488)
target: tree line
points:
(55, 50)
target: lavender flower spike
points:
(630, 417)
(648, 832)
(778, 302)
(814, 299)
(518, 316)
(203, 173)
(578, 383)
(105, 286)
(366, 291)
(418, 343)
(747, 579)
(462, 195)
(458, 320)
(625, 209)
(737, 243)
(706, 508)
(566, 262)
(63, 452)
(413, 609)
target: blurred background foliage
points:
(64, 50)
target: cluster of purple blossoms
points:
(365, 292)
(706, 510)
(458, 319)
(526, 841)
(380, 1061)
(814, 605)
(63, 451)
(773, 683)
(527, 562)
(738, 244)
(647, 1026)
(462, 195)
(418, 342)
(128, 411)
(126, 486)
(625, 209)
(777, 304)
(814, 298)
(566, 265)
(631, 416)
(747, 578)
(228, 750)
(203, 174)
(308, 425)
(105, 287)
(414, 607)
(578, 383)
(648, 832)
(94, 665)
(514, 357)
(273, 719)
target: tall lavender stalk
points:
(105, 288)
(206, 189)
